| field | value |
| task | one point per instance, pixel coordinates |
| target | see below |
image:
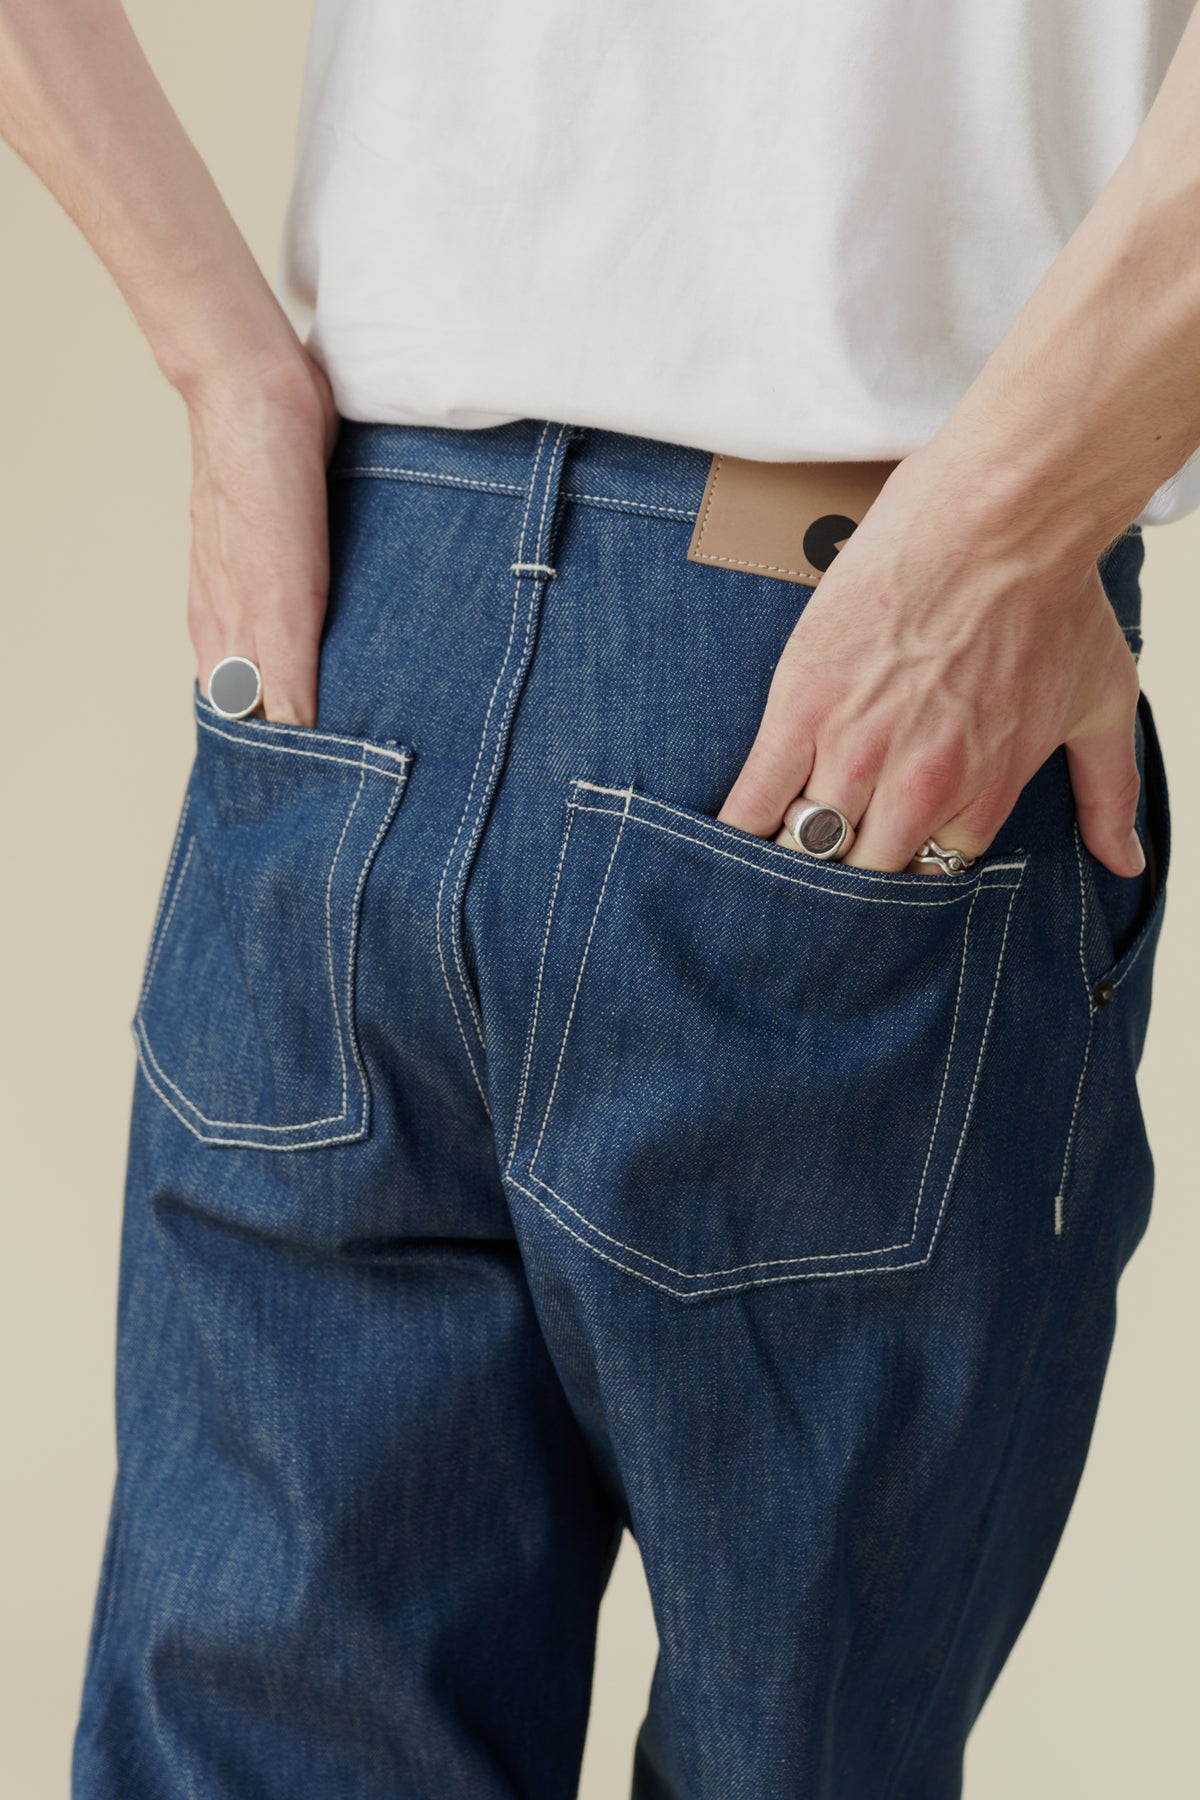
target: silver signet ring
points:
(821, 831)
(235, 687)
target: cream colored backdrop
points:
(1097, 1700)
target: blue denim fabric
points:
(519, 1155)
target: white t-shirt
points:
(781, 229)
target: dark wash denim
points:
(519, 1155)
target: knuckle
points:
(862, 758)
(1124, 794)
(932, 779)
(989, 808)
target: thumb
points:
(1106, 784)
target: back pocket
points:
(245, 1022)
(743, 1067)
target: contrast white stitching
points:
(731, 1287)
(767, 847)
(167, 921)
(454, 931)
(297, 1124)
(578, 980)
(537, 995)
(532, 568)
(142, 1033)
(366, 746)
(232, 1143)
(162, 898)
(1061, 1195)
(350, 762)
(853, 1262)
(465, 481)
(811, 1256)
(953, 899)
(1087, 986)
(652, 508)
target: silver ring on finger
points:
(950, 862)
(235, 687)
(818, 829)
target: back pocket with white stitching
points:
(245, 1022)
(744, 1067)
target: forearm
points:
(1092, 398)
(81, 105)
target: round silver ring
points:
(818, 829)
(950, 862)
(235, 687)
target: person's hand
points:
(944, 656)
(259, 570)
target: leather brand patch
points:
(787, 520)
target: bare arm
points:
(81, 105)
(962, 635)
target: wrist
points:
(1044, 496)
(221, 330)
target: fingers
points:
(1106, 784)
(775, 771)
(289, 670)
(286, 653)
(289, 677)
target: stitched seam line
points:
(469, 998)
(428, 475)
(807, 575)
(537, 994)
(798, 880)
(785, 857)
(645, 508)
(730, 1287)
(299, 1124)
(1060, 1197)
(233, 729)
(234, 1143)
(578, 981)
(438, 910)
(862, 1265)
(811, 1257)
(1087, 986)
(843, 1256)
(349, 762)
(142, 1032)
(648, 508)
(501, 733)
(166, 923)
(716, 476)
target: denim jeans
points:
(519, 1155)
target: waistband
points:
(604, 468)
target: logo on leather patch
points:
(786, 520)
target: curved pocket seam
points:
(150, 1064)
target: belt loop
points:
(535, 545)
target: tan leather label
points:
(788, 520)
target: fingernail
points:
(1137, 856)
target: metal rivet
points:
(1103, 993)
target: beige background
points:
(1098, 1697)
